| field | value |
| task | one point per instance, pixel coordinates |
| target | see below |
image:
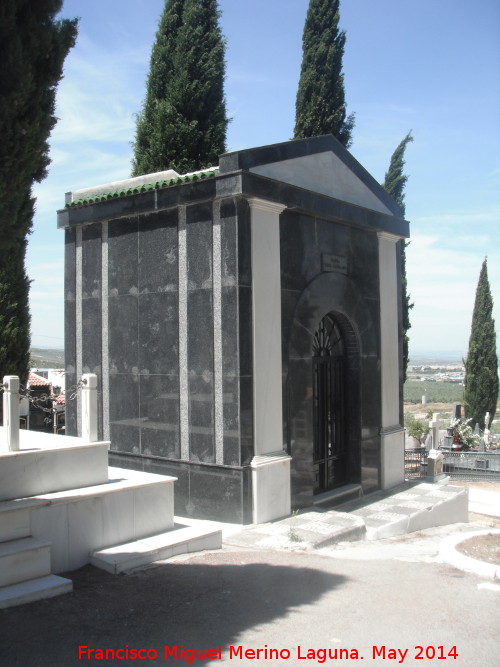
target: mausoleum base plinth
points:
(270, 487)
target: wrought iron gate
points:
(329, 455)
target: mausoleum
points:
(244, 323)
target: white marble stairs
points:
(25, 566)
(180, 540)
(72, 506)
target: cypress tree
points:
(320, 106)
(481, 365)
(183, 122)
(394, 184)
(33, 46)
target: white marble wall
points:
(47, 463)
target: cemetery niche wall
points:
(244, 323)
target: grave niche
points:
(197, 300)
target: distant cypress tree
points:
(320, 107)
(481, 365)
(394, 184)
(183, 122)
(33, 47)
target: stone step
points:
(341, 494)
(42, 467)
(34, 589)
(24, 559)
(182, 539)
(15, 518)
(131, 506)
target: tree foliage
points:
(394, 184)
(33, 46)
(183, 122)
(481, 365)
(320, 106)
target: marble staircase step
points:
(182, 539)
(35, 589)
(15, 518)
(40, 467)
(23, 559)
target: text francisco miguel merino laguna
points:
(320, 655)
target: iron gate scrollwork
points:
(329, 452)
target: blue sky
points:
(430, 66)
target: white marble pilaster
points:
(270, 465)
(266, 308)
(183, 334)
(89, 407)
(79, 318)
(10, 414)
(105, 330)
(217, 305)
(391, 432)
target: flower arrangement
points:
(463, 434)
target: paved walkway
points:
(406, 508)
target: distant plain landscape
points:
(433, 375)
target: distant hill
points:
(46, 358)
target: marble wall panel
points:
(364, 268)
(244, 243)
(229, 333)
(180, 470)
(91, 262)
(124, 414)
(200, 332)
(123, 275)
(246, 420)
(159, 412)
(229, 244)
(201, 419)
(123, 317)
(370, 463)
(159, 333)
(216, 492)
(231, 420)
(335, 239)
(158, 252)
(245, 332)
(300, 255)
(91, 336)
(199, 246)
(70, 326)
(371, 399)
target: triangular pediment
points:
(321, 165)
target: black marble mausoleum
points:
(244, 323)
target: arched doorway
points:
(329, 406)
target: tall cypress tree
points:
(481, 365)
(320, 107)
(33, 47)
(394, 184)
(183, 122)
